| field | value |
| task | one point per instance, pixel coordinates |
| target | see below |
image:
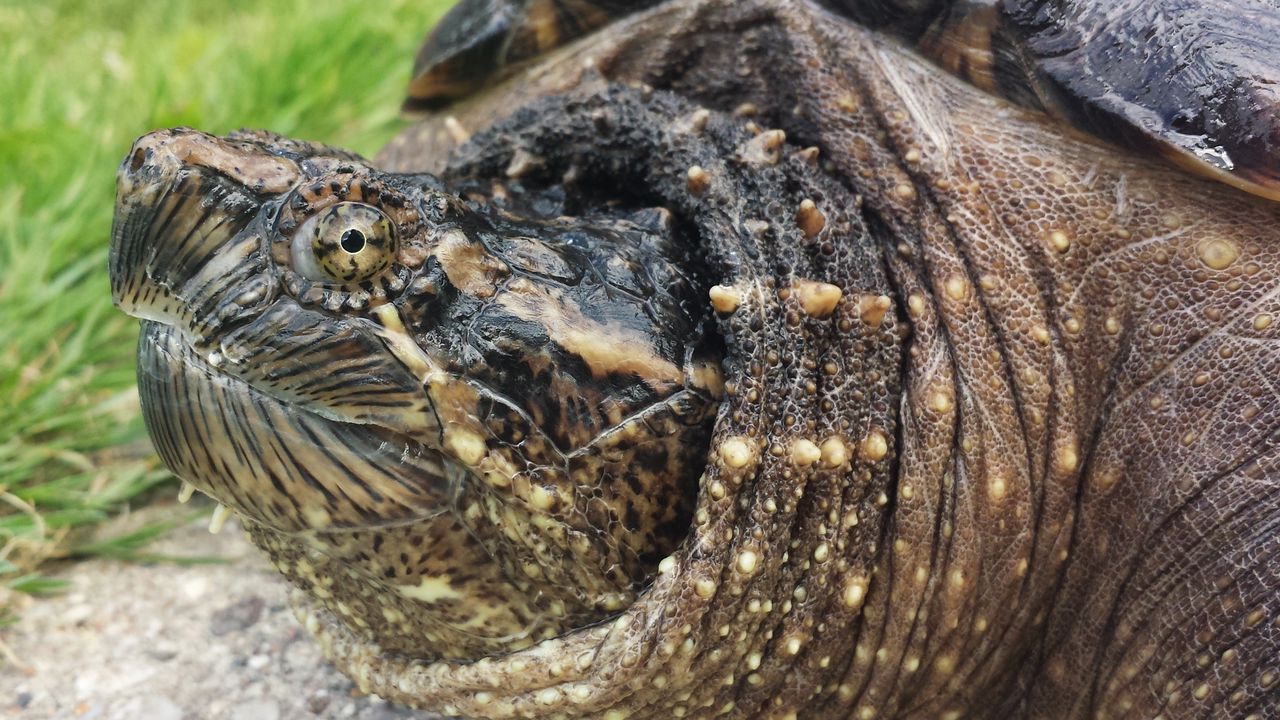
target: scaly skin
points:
(1085, 521)
(1000, 433)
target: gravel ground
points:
(167, 642)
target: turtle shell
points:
(479, 39)
(1199, 83)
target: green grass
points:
(79, 80)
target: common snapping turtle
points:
(707, 358)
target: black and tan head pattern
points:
(548, 361)
(467, 424)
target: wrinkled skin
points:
(1024, 466)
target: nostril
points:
(137, 159)
(152, 149)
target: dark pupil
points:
(352, 241)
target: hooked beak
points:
(181, 242)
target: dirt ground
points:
(171, 642)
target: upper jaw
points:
(185, 248)
(193, 222)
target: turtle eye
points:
(347, 243)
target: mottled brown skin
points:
(1021, 462)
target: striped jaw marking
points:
(463, 426)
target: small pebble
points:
(239, 615)
(162, 654)
(151, 707)
(77, 614)
(318, 702)
(256, 710)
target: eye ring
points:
(345, 244)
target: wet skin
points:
(998, 428)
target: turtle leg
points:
(1089, 431)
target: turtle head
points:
(463, 422)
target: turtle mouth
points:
(189, 240)
(335, 505)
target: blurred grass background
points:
(80, 79)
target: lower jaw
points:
(386, 563)
(276, 463)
